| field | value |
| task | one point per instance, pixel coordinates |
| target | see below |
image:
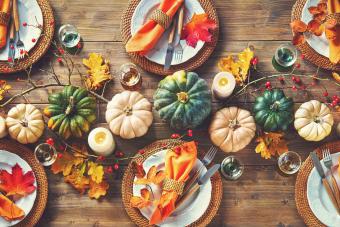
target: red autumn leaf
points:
(298, 26)
(298, 39)
(199, 28)
(315, 27)
(313, 10)
(17, 184)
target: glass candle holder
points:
(289, 162)
(130, 77)
(45, 154)
(285, 57)
(232, 168)
(68, 36)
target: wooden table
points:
(262, 197)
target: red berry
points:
(325, 94)
(254, 61)
(10, 59)
(268, 84)
(24, 24)
(297, 80)
(302, 56)
(294, 88)
(59, 155)
(293, 78)
(79, 45)
(100, 158)
(178, 150)
(22, 51)
(34, 40)
(297, 65)
(50, 141)
(335, 97)
(116, 166)
(141, 152)
(190, 133)
(119, 154)
(60, 60)
(332, 105)
(334, 102)
(61, 50)
(109, 169)
(175, 136)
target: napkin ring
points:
(173, 185)
(161, 18)
(334, 16)
(4, 18)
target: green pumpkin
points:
(273, 111)
(71, 112)
(183, 99)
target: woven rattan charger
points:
(309, 53)
(189, 65)
(42, 190)
(301, 187)
(42, 45)
(127, 185)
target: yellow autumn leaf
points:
(271, 144)
(78, 180)
(336, 76)
(98, 71)
(237, 65)
(96, 172)
(4, 88)
(98, 189)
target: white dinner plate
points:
(30, 13)
(318, 200)
(319, 43)
(157, 55)
(191, 210)
(7, 161)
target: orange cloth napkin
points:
(178, 165)
(334, 44)
(149, 34)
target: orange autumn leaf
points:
(322, 7)
(199, 28)
(298, 26)
(298, 39)
(9, 211)
(78, 180)
(141, 201)
(320, 17)
(97, 190)
(17, 183)
(315, 27)
(313, 10)
(153, 176)
(271, 144)
(65, 163)
(336, 76)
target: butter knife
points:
(171, 46)
(318, 166)
(11, 51)
(201, 181)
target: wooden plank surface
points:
(262, 197)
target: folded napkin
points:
(149, 34)
(333, 34)
(178, 165)
(4, 20)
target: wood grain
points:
(262, 196)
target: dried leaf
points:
(65, 163)
(99, 71)
(271, 144)
(98, 189)
(153, 176)
(9, 211)
(336, 76)
(298, 26)
(298, 39)
(141, 201)
(96, 172)
(16, 183)
(199, 28)
(4, 88)
(78, 180)
(315, 27)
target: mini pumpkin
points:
(313, 121)
(232, 129)
(129, 114)
(25, 123)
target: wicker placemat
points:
(189, 65)
(127, 184)
(301, 186)
(42, 45)
(42, 190)
(309, 53)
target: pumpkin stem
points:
(182, 97)
(233, 124)
(70, 106)
(24, 123)
(127, 110)
(316, 119)
(275, 106)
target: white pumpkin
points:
(3, 128)
(313, 121)
(338, 129)
(25, 123)
(232, 129)
(129, 114)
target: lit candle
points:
(223, 85)
(101, 141)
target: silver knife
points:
(171, 46)
(11, 51)
(201, 181)
(318, 166)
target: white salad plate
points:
(7, 161)
(191, 210)
(30, 13)
(318, 200)
(157, 55)
(319, 43)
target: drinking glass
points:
(232, 168)
(285, 57)
(130, 77)
(45, 154)
(289, 162)
(68, 36)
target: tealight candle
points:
(223, 85)
(101, 141)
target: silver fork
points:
(178, 51)
(20, 44)
(327, 160)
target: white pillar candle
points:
(101, 141)
(223, 85)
